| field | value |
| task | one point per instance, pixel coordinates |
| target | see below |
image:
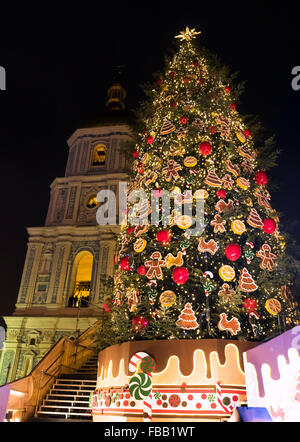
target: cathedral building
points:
(69, 260)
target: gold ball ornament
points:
(241, 136)
(227, 273)
(243, 183)
(273, 306)
(190, 161)
(139, 245)
(145, 158)
(184, 221)
(167, 298)
(201, 194)
(238, 226)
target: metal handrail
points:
(59, 367)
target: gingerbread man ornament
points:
(171, 170)
(155, 264)
(267, 257)
(218, 223)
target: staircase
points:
(68, 399)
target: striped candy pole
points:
(135, 361)
(207, 289)
(147, 409)
(228, 409)
(143, 363)
(252, 315)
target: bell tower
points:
(69, 260)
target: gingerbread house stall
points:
(170, 380)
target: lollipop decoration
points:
(140, 385)
(249, 254)
(208, 285)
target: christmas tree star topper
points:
(188, 34)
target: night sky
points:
(59, 60)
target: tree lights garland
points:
(194, 138)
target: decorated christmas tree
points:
(226, 280)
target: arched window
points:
(99, 155)
(81, 279)
(91, 202)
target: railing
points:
(64, 357)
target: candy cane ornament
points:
(253, 325)
(140, 385)
(135, 360)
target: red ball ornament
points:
(261, 178)
(150, 139)
(232, 252)
(106, 307)
(221, 193)
(135, 154)
(163, 237)
(159, 81)
(232, 106)
(186, 79)
(141, 169)
(139, 322)
(144, 322)
(247, 133)
(227, 89)
(142, 270)
(205, 148)
(269, 225)
(249, 304)
(124, 263)
(130, 229)
(183, 120)
(173, 104)
(180, 275)
(157, 193)
(196, 63)
(172, 74)
(212, 129)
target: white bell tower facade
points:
(69, 262)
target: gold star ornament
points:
(188, 34)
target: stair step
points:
(73, 387)
(62, 397)
(76, 381)
(88, 367)
(69, 392)
(64, 415)
(83, 400)
(65, 408)
(65, 401)
(77, 393)
(80, 376)
(80, 404)
(49, 418)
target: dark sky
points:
(59, 61)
